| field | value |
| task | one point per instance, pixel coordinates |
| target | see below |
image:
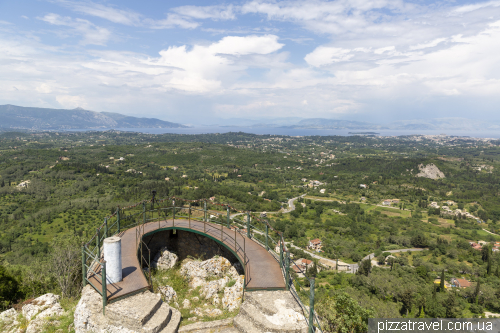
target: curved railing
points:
(154, 210)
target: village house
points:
(315, 245)
(460, 283)
(476, 246)
(362, 185)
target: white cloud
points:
(71, 102)
(433, 43)
(91, 33)
(207, 12)
(247, 45)
(181, 17)
(44, 88)
(324, 55)
(122, 16)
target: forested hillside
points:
(363, 195)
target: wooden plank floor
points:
(262, 271)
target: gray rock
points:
(164, 259)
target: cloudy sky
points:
(195, 61)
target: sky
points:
(194, 62)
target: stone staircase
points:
(144, 312)
(270, 311)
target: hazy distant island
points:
(363, 133)
(32, 118)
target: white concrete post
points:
(113, 257)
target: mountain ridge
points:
(34, 118)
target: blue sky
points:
(196, 61)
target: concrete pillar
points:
(113, 257)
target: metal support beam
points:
(84, 268)
(267, 236)
(248, 224)
(98, 244)
(205, 212)
(104, 289)
(311, 307)
(287, 270)
(144, 213)
(118, 219)
(105, 227)
(228, 217)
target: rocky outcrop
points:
(215, 267)
(430, 171)
(164, 259)
(197, 272)
(232, 295)
(37, 312)
(144, 312)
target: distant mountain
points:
(18, 117)
(451, 123)
(456, 124)
(322, 123)
(268, 122)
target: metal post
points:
(105, 227)
(189, 216)
(104, 289)
(281, 251)
(205, 212)
(118, 219)
(144, 213)
(267, 235)
(221, 226)
(311, 307)
(173, 205)
(84, 268)
(235, 251)
(287, 270)
(228, 223)
(248, 224)
(98, 243)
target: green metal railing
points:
(137, 216)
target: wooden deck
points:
(262, 270)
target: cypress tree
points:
(441, 284)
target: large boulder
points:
(215, 267)
(213, 287)
(232, 295)
(164, 259)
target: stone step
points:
(173, 324)
(284, 320)
(245, 325)
(159, 320)
(133, 312)
(266, 301)
(208, 326)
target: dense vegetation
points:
(56, 188)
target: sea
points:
(302, 131)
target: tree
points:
(65, 265)
(419, 240)
(477, 291)
(341, 313)
(9, 288)
(441, 283)
(365, 267)
(452, 307)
